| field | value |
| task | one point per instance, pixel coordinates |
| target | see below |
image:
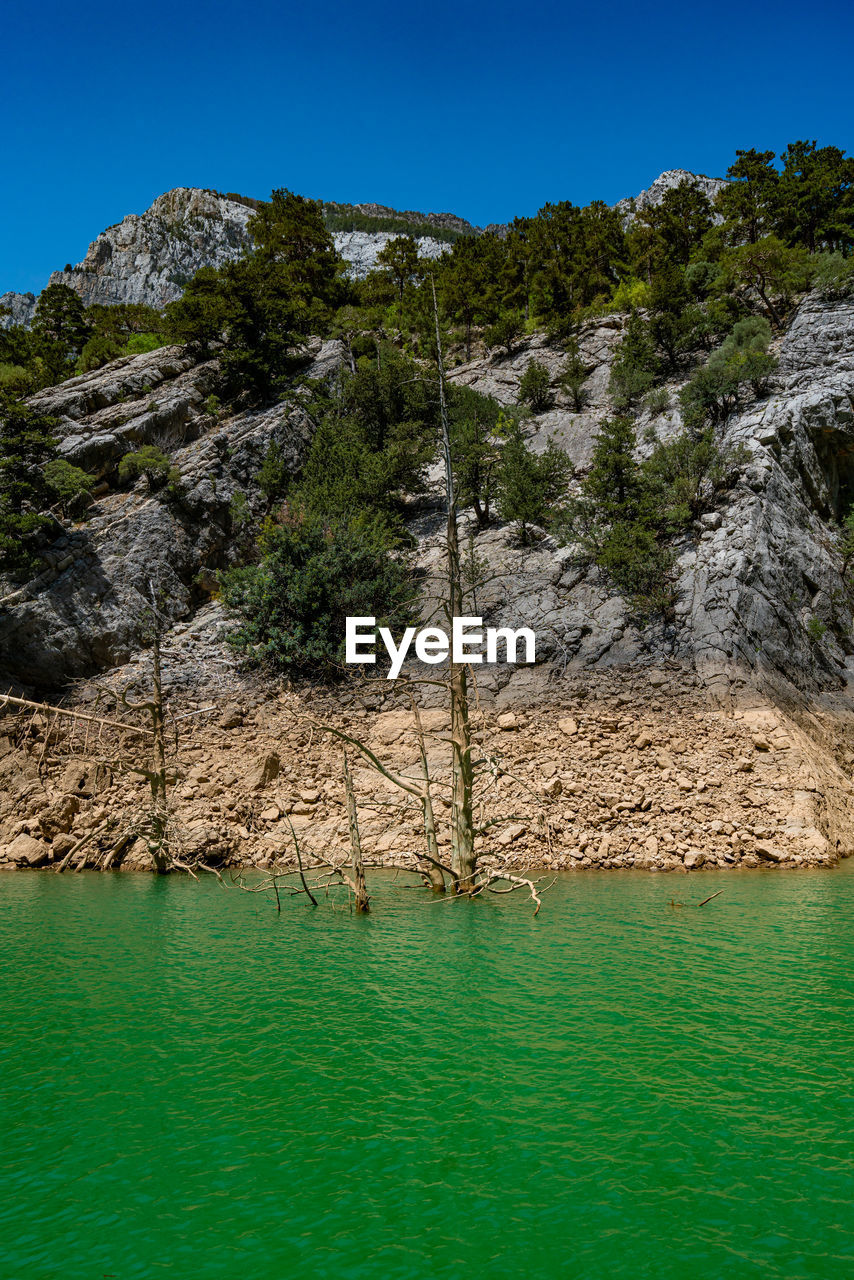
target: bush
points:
(530, 484)
(151, 462)
(635, 366)
(98, 351)
(629, 295)
(657, 401)
(312, 575)
(629, 512)
(742, 361)
(71, 485)
(25, 446)
(816, 630)
(140, 343)
(833, 275)
(535, 387)
(505, 331)
(574, 376)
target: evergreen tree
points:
(312, 575)
(748, 205)
(816, 204)
(531, 484)
(399, 260)
(635, 366)
(26, 444)
(535, 387)
(478, 431)
(61, 327)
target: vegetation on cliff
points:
(704, 288)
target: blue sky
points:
(486, 110)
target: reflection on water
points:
(191, 1086)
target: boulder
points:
(27, 851)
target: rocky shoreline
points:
(628, 768)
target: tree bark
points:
(360, 891)
(463, 857)
(159, 805)
(434, 872)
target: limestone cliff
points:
(655, 193)
(763, 621)
(149, 257)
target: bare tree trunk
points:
(434, 871)
(360, 890)
(463, 858)
(159, 805)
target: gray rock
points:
(16, 308)
(655, 193)
(90, 608)
(149, 257)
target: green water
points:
(192, 1087)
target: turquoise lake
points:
(192, 1086)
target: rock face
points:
(91, 607)
(761, 596)
(148, 258)
(655, 193)
(760, 592)
(16, 308)
(360, 249)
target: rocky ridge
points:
(149, 257)
(655, 193)
(759, 579)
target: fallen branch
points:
(6, 699)
(90, 835)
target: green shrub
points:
(71, 485)
(531, 485)
(742, 361)
(657, 401)
(629, 295)
(628, 512)
(833, 275)
(26, 445)
(635, 366)
(149, 461)
(505, 331)
(311, 576)
(100, 349)
(574, 376)
(140, 343)
(816, 630)
(535, 387)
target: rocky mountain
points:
(665, 182)
(752, 576)
(756, 682)
(149, 257)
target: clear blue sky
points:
(486, 110)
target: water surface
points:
(191, 1086)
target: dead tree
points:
(360, 891)
(463, 856)
(157, 835)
